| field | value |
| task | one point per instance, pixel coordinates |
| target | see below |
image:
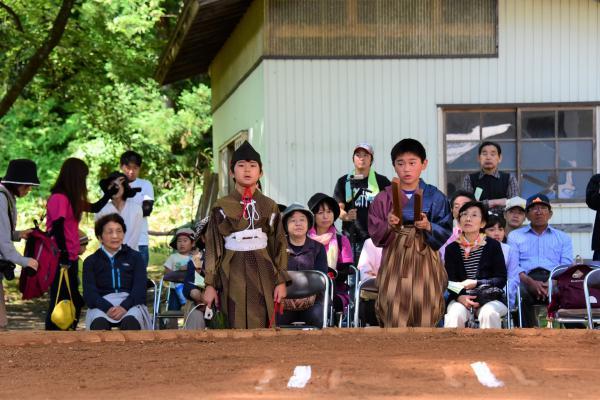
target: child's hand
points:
(210, 294)
(423, 223)
(279, 293)
(197, 260)
(393, 220)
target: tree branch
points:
(14, 16)
(38, 59)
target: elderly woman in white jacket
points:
(20, 176)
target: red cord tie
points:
(246, 200)
(278, 309)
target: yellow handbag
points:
(63, 314)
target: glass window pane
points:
(499, 125)
(538, 154)
(537, 124)
(575, 123)
(509, 156)
(572, 184)
(533, 182)
(454, 181)
(577, 154)
(462, 126)
(462, 155)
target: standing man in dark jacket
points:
(355, 192)
(491, 186)
(592, 198)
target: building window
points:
(550, 150)
(381, 28)
(226, 183)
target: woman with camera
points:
(476, 272)
(120, 203)
(20, 177)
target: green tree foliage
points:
(94, 97)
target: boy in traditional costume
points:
(246, 258)
(411, 220)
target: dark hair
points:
(461, 193)
(408, 146)
(102, 221)
(71, 183)
(488, 143)
(495, 219)
(476, 204)
(13, 188)
(131, 156)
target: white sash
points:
(246, 240)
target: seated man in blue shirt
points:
(540, 248)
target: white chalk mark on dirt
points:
(263, 382)
(300, 377)
(485, 376)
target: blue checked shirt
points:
(548, 250)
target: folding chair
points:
(352, 282)
(592, 280)
(307, 283)
(161, 310)
(151, 286)
(510, 322)
(508, 317)
(369, 285)
(517, 305)
(565, 316)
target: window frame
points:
(518, 140)
(226, 184)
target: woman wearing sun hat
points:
(20, 177)
(304, 253)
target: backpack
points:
(41, 246)
(570, 290)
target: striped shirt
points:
(548, 250)
(472, 263)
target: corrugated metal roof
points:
(202, 29)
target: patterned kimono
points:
(246, 280)
(412, 279)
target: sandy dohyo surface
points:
(345, 363)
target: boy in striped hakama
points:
(412, 278)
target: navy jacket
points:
(309, 256)
(126, 274)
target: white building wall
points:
(315, 111)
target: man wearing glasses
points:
(540, 248)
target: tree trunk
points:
(37, 60)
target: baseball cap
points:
(537, 198)
(365, 146)
(516, 202)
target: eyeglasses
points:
(473, 215)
